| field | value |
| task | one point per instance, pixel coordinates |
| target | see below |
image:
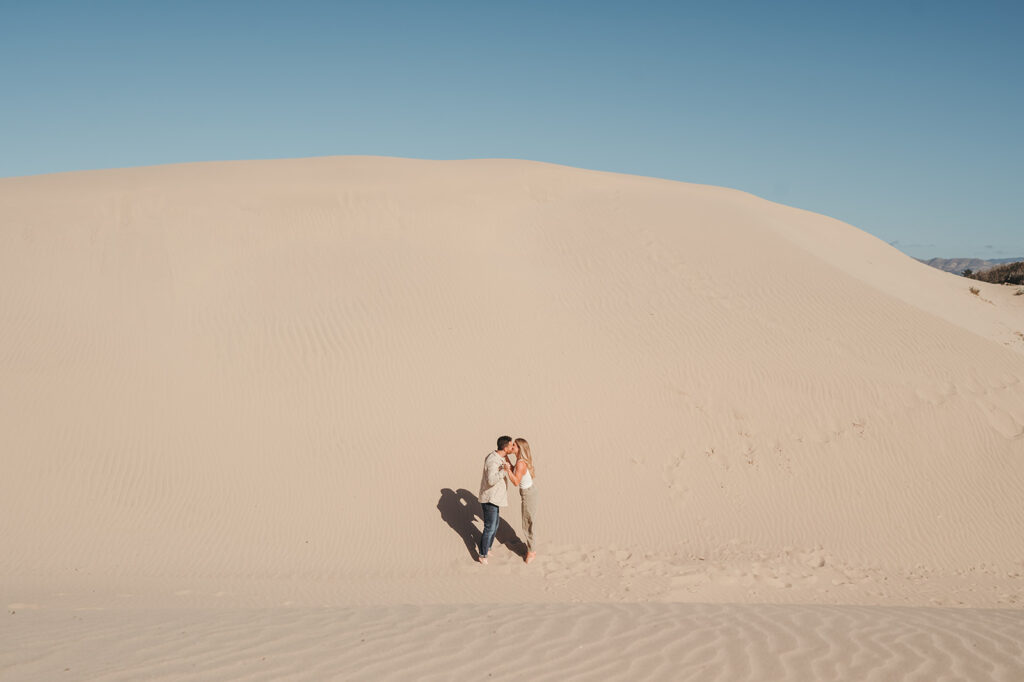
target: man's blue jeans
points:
(490, 527)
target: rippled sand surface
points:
(244, 409)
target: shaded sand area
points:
(244, 408)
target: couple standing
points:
(498, 472)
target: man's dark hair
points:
(503, 441)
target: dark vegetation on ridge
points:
(1010, 273)
(958, 265)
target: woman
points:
(522, 475)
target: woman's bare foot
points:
(483, 560)
(530, 556)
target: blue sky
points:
(902, 118)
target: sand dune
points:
(235, 386)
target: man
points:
(494, 492)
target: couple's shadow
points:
(460, 509)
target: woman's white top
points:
(526, 481)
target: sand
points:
(244, 407)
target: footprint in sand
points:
(1001, 420)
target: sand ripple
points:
(539, 641)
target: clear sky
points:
(902, 118)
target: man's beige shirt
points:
(493, 485)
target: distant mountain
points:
(958, 265)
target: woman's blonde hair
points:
(524, 452)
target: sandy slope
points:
(247, 385)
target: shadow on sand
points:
(460, 509)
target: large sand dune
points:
(248, 385)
